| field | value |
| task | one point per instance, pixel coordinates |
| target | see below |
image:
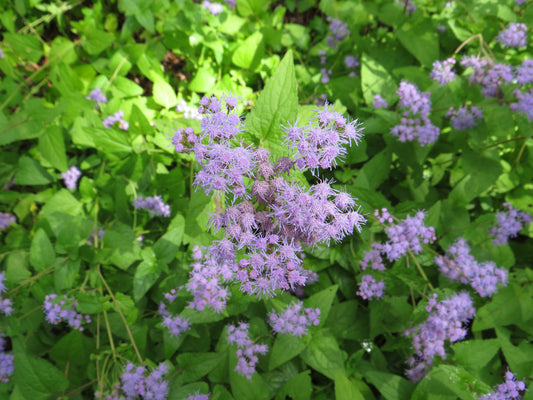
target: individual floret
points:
(71, 177)
(246, 349)
(295, 319)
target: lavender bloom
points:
(214, 8)
(370, 289)
(524, 103)
(406, 236)
(6, 305)
(247, 351)
(459, 265)
(383, 216)
(183, 138)
(175, 324)
(320, 144)
(464, 117)
(2, 56)
(515, 35)
(443, 71)
(198, 396)
(137, 382)
(7, 365)
(509, 390)
(351, 62)
(116, 117)
(524, 72)
(6, 219)
(520, 2)
(62, 310)
(487, 74)
(509, 223)
(97, 96)
(206, 281)
(99, 235)
(325, 75)
(379, 102)
(373, 258)
(415, 123)
(71, 177)
(445, 322)
(338, 31)
(295, 319)
(231, 3)
(153, 204)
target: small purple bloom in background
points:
(338, 31)
(509, 223)
(198, 396)
(444, 322)
(6, 219)
(464, 117)
(2, 56)
(520, 2)
(370, 289)
(379, 102)
(214, 8)
(295, 319)
(459, 265)
(509, 390)
(441, 28)
(443, 71)
(71, 177)
(373, 258)
(99, 235)
(7, 365)
(59, 310)
(515, 35)
(408, 5)
(247, 351)
(524, 72)
(231, 3)
(97, 96)
(325, 75)
(153, 204)
(6, 305)
(116, 117)
(351, 62)
(524, 103)
(383, 216)
(175, 324)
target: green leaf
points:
(26, 46)
(246, 389)
(297, 388)
(277, 104)
(375, 79)
(61, 207)
(204, 81)
(255, 8)
(346, 389)
(421, 39)
(323, 301)
(375, 171)
(519, 358)
(324, 354)
(65, 275)
(111, 142)
(503, 309)
(197, 365)
(285, 348)
(52, 148)
(124, 246)
(164, 95)
(146, 274)
(74, 347)
(475, 354)
(36, 379)
(31, 173)
(126, 88)
(168, 245)
(249, 53)
(392, 387)
(127, 306)
(179, 392)
(42, 254)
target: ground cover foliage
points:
(308, 199)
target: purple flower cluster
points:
(408, 5)
(175, 324)
(295, 319)
(214, 8)
(6, 219)
(97, 96)
(138, 382)
(488, 74)
(373, 258)
(509, 223)
(509, 390)
(71, 177)
(379, 102)
(320, 144)
(515, 35)
(7, 364)
(116, 117)
(2, 56)
(459, 265)
(59, 310)
(370, 288)
(326, 73)
(338, 31)
(524, 72)
(524, 103)
(247, 351)
(415, 123)
(206, 280)
(6, 305)
(154, 204)
(352, 63)
(443, 71)
(266, 222)
(444, 322)
(99, 235)
(464, 117)
(198, 396)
